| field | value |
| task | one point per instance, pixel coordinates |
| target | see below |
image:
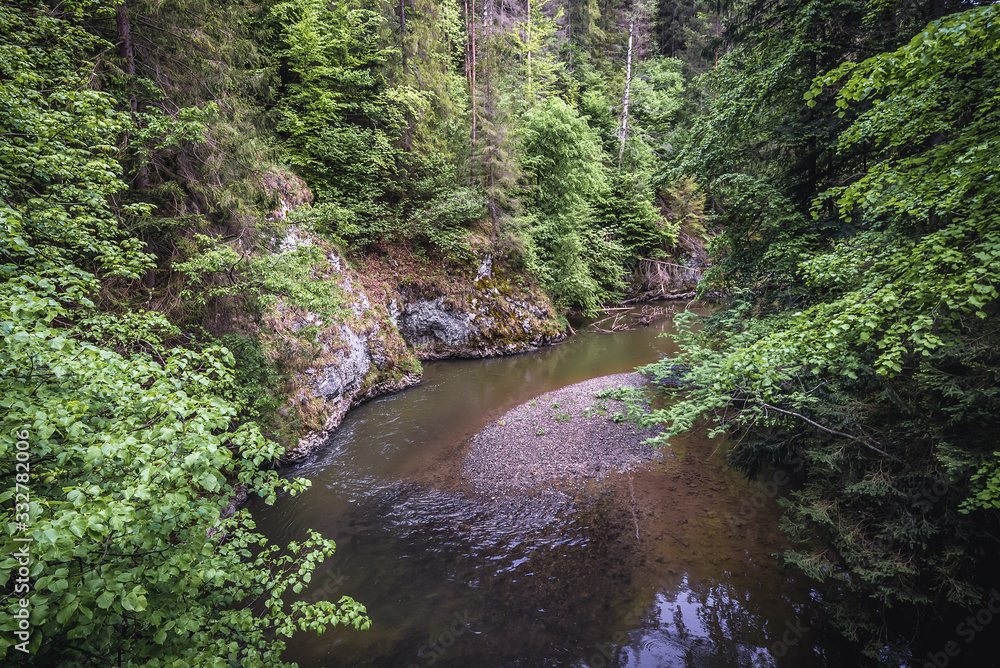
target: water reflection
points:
(653, 569)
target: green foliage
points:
(197, 149)
(660, 97)
(132, 452)
(628, 210)
(758, 125)
(354, 224)
(580, 263)
(58, 159)
(337, 113)
(428, 49)
(689, 31)
(930, 105)
(763, 236)
(445, 221)
(529, 40)
(564, 159)
(866, 339)
(289, 271)
(595, 104)
(130, 461)
(443, 214)
(253, 379)
(684, 205)
(131, 330)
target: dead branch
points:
(863, 441)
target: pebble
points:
(560, 437)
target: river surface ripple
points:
(668, 566)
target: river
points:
(668, 566)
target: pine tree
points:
(496, 165)
(532, 40)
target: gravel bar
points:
(568, 435)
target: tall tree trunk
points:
(491, 131)
(402, 24)
(569, 34)
(125, 43)
(493, 207)
(531, 90)
(128, 57)
(127, 53)
(628, 90)
(472, 88)
(492, 157)
(812, 149)
(408, 133)
(673, 29)
(465, 12)
(718, 33)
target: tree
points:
(118, 454)
(339, 118)
(877, 360)
(429, 59)
(532, 41)
(636, 18)
(661, 100)
(495, 164)
(579, 261)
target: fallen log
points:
(658, 296)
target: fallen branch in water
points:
(659, 296)
(602, 320)
(615, 327)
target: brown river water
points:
(668, 566)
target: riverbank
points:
(566, 435)
(380, 316)
(666, 555)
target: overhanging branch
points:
(826, 429)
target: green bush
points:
(254, 379)
(117, 453)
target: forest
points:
(836, 159)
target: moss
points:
(296, 340)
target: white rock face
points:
(349, 359)
(485, 323)
(351, 365)
(294, 239)
(343, 361)
(485, 269)
(423, 321)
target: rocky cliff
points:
(492, 315)
(379, 324)
(335, 359)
